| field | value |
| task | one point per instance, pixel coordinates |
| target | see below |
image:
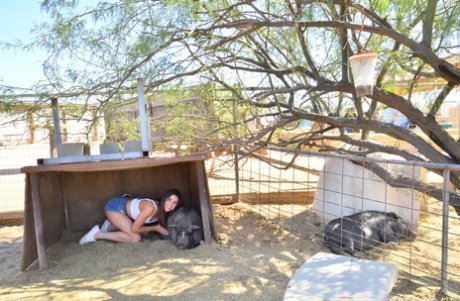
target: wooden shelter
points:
(72, 196)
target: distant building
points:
(29, 122)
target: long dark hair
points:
(162, 215)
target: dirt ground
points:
(254, 260)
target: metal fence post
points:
(445, 229)
(57, 127)
(236, 155)
(144, 121)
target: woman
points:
(128, 218)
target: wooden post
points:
(31, 127)
(204, 204)
(65, 133)
(39, 235)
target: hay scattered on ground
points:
(254, 260)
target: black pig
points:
(364, 230)
(185, 228)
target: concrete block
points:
(71, 149)
(132, 146)
(335, 277)
(109, 148)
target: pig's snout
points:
(182, 242)
(412, 235)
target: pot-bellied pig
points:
(364, 230)
(185, 228)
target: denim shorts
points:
(117, 204)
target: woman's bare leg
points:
(124, 234)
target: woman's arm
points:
(157, 228)
(146, 210)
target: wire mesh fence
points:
(302, 192)
(13, 157)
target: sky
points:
(20, 68)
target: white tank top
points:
(134, 208)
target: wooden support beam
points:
(39, 232)
(204, 202)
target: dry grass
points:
(260, 249)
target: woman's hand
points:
(162, 230)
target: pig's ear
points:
(194, 227)
(395, 216)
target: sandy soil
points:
(254, 260)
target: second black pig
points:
(185, 228)
(364, 230)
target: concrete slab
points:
(335, 277)
(70, 149)
(109, 148)
(132, 146)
